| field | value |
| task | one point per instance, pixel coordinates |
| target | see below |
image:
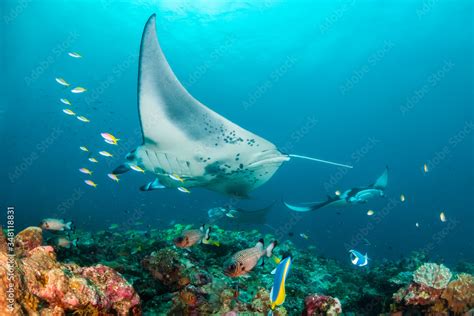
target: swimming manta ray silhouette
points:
(185, 140)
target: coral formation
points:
(316, 304)
(433, 275)
(48, 287)
(459, 293)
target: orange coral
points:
(460, 293)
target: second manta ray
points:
(186, 144)
(349, 197)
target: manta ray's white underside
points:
(182, 136)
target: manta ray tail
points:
(320, 160)
(381, 182)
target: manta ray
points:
(348, 197)
(186, 144)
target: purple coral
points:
(316, 304)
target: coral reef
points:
(459, 293)
(433, 275)
(47, 287)
(316, 304)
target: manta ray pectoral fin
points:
(153, 185)
(320, 160)
(313, 206)
(382, 181)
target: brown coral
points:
(460, 293)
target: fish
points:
(105, 153)
(78, 90)
(113, 226)
(425, 168)
(175, 177)
(92, 159)
(74, 54)
(348, 197)
(245, 260)
(55, 224)
(109, 138)
(85, 170)
(278, 292)
(62, 82)
(180, 133)
(136, 168)
(370, 212)
(184, 190)
(83, 148)
(113, 177)
(304, 236)
(65, 101)
(442, 217)
(83, 119)
(188, 238)
(64, 242)
(402, 198)
(90, 183)
(417, 225)
(230, 215)
(358, 259)
(337, 193)
(69, 112)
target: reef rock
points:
(433, 275)
(28, 239)
(315, 305)
(460, 293)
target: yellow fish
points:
(85, 170)
(425, 168)
(78, 90)
(83, 148)
(105, 153)
(91, 183)
(442, 217)
(74, 54)
(113, 177)
(92, 159)
(402, 198)
(338, 193)
(65, 101)
(304, 236)
(175, 177)
(184, 190)
(137, 168)
(69, 112)
(109, 138)
(62, 82)
(83, 119)
(370, 212)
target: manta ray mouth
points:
(269, 157)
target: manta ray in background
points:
(348, 197)
(232, 215)
(185, 140)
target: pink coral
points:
(433, 275)
(316, 304)
(417, 294)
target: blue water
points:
(360, 82)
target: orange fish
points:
(190, 237)
(245, 260)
